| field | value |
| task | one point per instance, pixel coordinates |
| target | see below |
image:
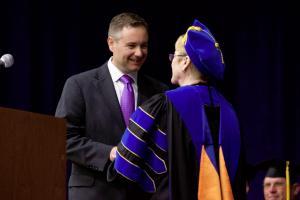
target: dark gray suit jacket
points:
(94, 125)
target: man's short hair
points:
(126, 19)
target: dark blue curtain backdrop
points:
(52, 40)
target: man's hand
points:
(112, 154)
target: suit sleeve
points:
(81, 150)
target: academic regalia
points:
(185, 144)
(175, 137)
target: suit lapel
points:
(105, 86)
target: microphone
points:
(7, 60)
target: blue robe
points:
(161, 148)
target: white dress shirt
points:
(116, 74)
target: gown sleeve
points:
(142, 152)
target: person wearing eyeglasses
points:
(185, 143)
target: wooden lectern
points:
(32, 156)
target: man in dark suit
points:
(90, 103)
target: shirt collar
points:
(116, 74)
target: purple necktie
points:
(127, 98)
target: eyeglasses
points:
(171, 56)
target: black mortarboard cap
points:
(276, 168)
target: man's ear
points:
(110, 43)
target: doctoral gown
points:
(184, 144)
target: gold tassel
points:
(287, 178)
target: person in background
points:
(186, 143)
(280, 181)
(97, 104)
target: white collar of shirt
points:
(116, 74)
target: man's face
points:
(274, 188)
(129, 48)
